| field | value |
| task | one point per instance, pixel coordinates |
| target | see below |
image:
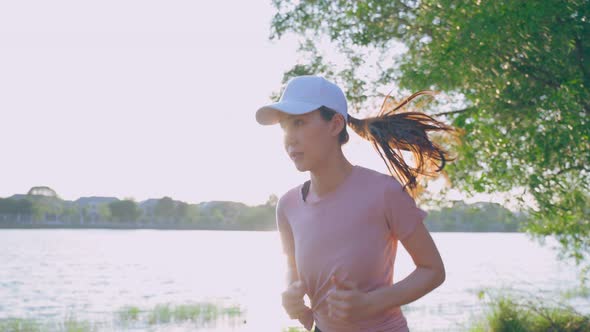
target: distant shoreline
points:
(34, 211)
(120, 226)
(183, 227)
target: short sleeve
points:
(402, 213)
(284, 229)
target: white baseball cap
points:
(304, 94)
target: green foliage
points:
(35, 207)
(13, 206)
(477, 217)
(201, 312)
(105, 211)
(582, 291)
(272, 200)
(124, 210)
(182, 210)
(227, 215)
(510, 314)
(72, 324)
(294, 329)
(132, 318)
(128, 313)
(168, 209)
(261, 217)
(165, 207)
(522, 75)
(19, 325)
(162, 313)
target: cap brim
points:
(270, 114)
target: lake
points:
(47, 275)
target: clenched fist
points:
(293, 300)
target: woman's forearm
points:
(420, 282)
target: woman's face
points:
(308, 138)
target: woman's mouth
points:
(296, 155)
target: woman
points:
(340, 229)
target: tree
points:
(272, 200)
(104, 211)
(12, 206)
(193, 213)
(124, 210)
(16, 208)
(165, 208)
(519, 71)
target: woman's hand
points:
(293, 300)
(348, 303)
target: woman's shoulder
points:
(378, 180)
(289, 198)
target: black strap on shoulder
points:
(305, 189)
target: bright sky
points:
(145, 99)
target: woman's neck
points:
(329, 176)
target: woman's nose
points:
(288, 137)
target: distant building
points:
(148, 206)
(90, 207)
(42, 191)
(18, 196)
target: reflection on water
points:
(157, 276)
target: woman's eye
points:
(298, 122)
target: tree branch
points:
(579, 167)
(532, 72)
(468, 109)
(580, 51)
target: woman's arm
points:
(292, 274)
(429, 273)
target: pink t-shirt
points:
(351, 232)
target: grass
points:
(203, 312)
(508, 314)
(128, 314)
(579, 291)
(294, 329)
(19, 324)
(70, 324)
(127, 317)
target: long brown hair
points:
(392, 130)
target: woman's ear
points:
(336, 124)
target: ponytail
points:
(391, 131)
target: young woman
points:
(339, 230)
